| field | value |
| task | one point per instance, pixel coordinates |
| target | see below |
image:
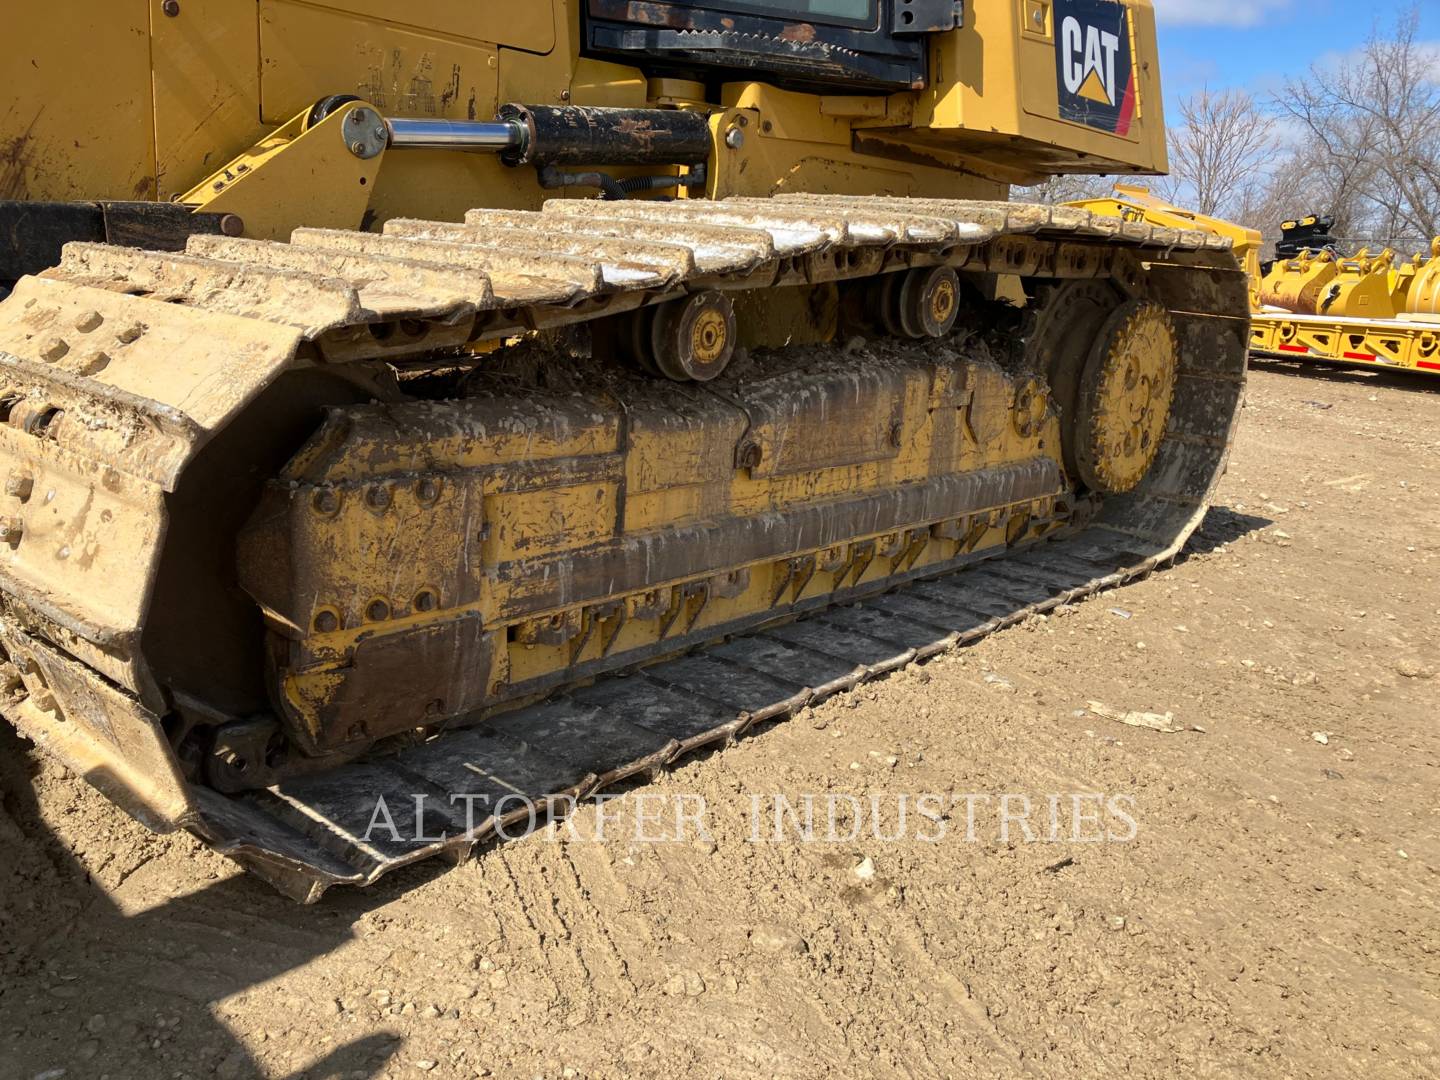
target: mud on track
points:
(1264, 921)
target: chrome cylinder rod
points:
(494, 136)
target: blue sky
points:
(1255, 43)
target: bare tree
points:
(1370, 127)
(1063, 189)
(1218, 153)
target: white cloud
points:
(1236, 13)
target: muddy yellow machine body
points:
(497, 403)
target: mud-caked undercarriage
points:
(293, 526)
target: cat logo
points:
(1095, 75)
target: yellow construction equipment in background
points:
(1133, 203)
(1363, 310)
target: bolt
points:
(897, 434)
(750, 455)
(734, 138)
(19, 485)
(378, 497)
(171, 8)
(54, 349)
(130, 333)
(326, 622)
(88, 320)
(428, 490)
(94, 362)
(11, 530)
(326, 501)
(232, 225)
(380, 133)
(425, 601)
(378, 611)
(357, 148)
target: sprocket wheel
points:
(1125, 393)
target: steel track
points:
(334, 298)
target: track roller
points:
(919, 303)
(692, 339)
(929, 301)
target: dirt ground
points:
(1274, 915)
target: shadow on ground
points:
(87, 988)
(1220, 527)
(70, 953)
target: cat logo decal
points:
(1095, 70)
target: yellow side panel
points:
(75, 118)
(207, 89)
(449, 71)
(529, 25)
(999, 77)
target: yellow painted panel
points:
(994, 82)
(523, 526)
(207, 89)
(309, 52)
(529, 26)
(75, 120)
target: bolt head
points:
(171, 8)
(19, 485)
(11, 530)
(326, 501)
(92, 362)
(734, 138)
(54, 349)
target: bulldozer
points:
(413, 421)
